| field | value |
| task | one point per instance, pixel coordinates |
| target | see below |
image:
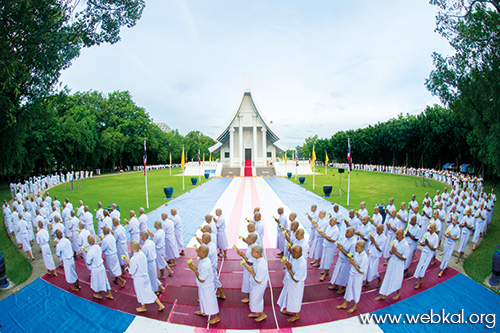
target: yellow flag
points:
(210, 158)
(313, 158)
(170, 158)
(285, 157)
(326, 158)
(203, 158)
(182, 158)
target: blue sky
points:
(316, 67)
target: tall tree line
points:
(89, 130)
(430, 139)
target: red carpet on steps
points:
(248, 168)
(180, 295)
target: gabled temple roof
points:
(272, 134)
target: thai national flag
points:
(199, 161)
(145, 158)
(296, 158)
(349, 157)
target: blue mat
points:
(42, 307)
(453, 296)
(192, 206)
(300, 204)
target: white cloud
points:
(316, 67)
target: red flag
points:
(199, 161)
(145, 158)
(349, 157)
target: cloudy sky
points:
(316, 67)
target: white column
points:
(231, 146)
(254, 153)
(241, 139)
(264, 144)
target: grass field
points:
(18, 269)
(127, 190)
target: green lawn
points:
(18, 269)
(127, 190)
(370, 187)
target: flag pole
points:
(146, 175)
(183, 168)
(349, 164)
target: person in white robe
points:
(391, 228)
(121, 243)
(413, 203)
(429, 245)
(340, 274)
(213, 227)
(452, 235)
(363, 233)
(23, 232)
(426, 217)
(7, 214)
(376, 218)
(206, 238)
(249, 260)
(205, 283)
(317, 246)
(439, 227)
(98, 278)
(259, 226)
(312, 215)
(66, 219)
(301, 241)
(251, 230)
(108, 246)
(65, 255)
(362, 212)
(290, 299)
(178, 230)
(75, 232)
(133, 227)
(377, 246)
(480, 217)
(393, 279)
(171, 250)
(143, 220)
(258, 283)
(57, 226)
(412, 233)
(42, 239)
(107, 221)
(88, 219)
(359, 264)
(330, 238)
(159, 240)
(114, 212)
(282, 223)
(99, 216)
(149, 251)
(467, 225)
(83, 242)
(138, 268)
(221, 233)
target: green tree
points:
(468, 80)
(38, 39)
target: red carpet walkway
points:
(180, 295)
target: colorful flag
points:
(145, 158)
(349, 157)
(296, 157)
(182, 158)
(309, 157)
(326, 158)
(199, 160)
(313, 158)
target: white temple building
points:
(248, 146)
(248, 139)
